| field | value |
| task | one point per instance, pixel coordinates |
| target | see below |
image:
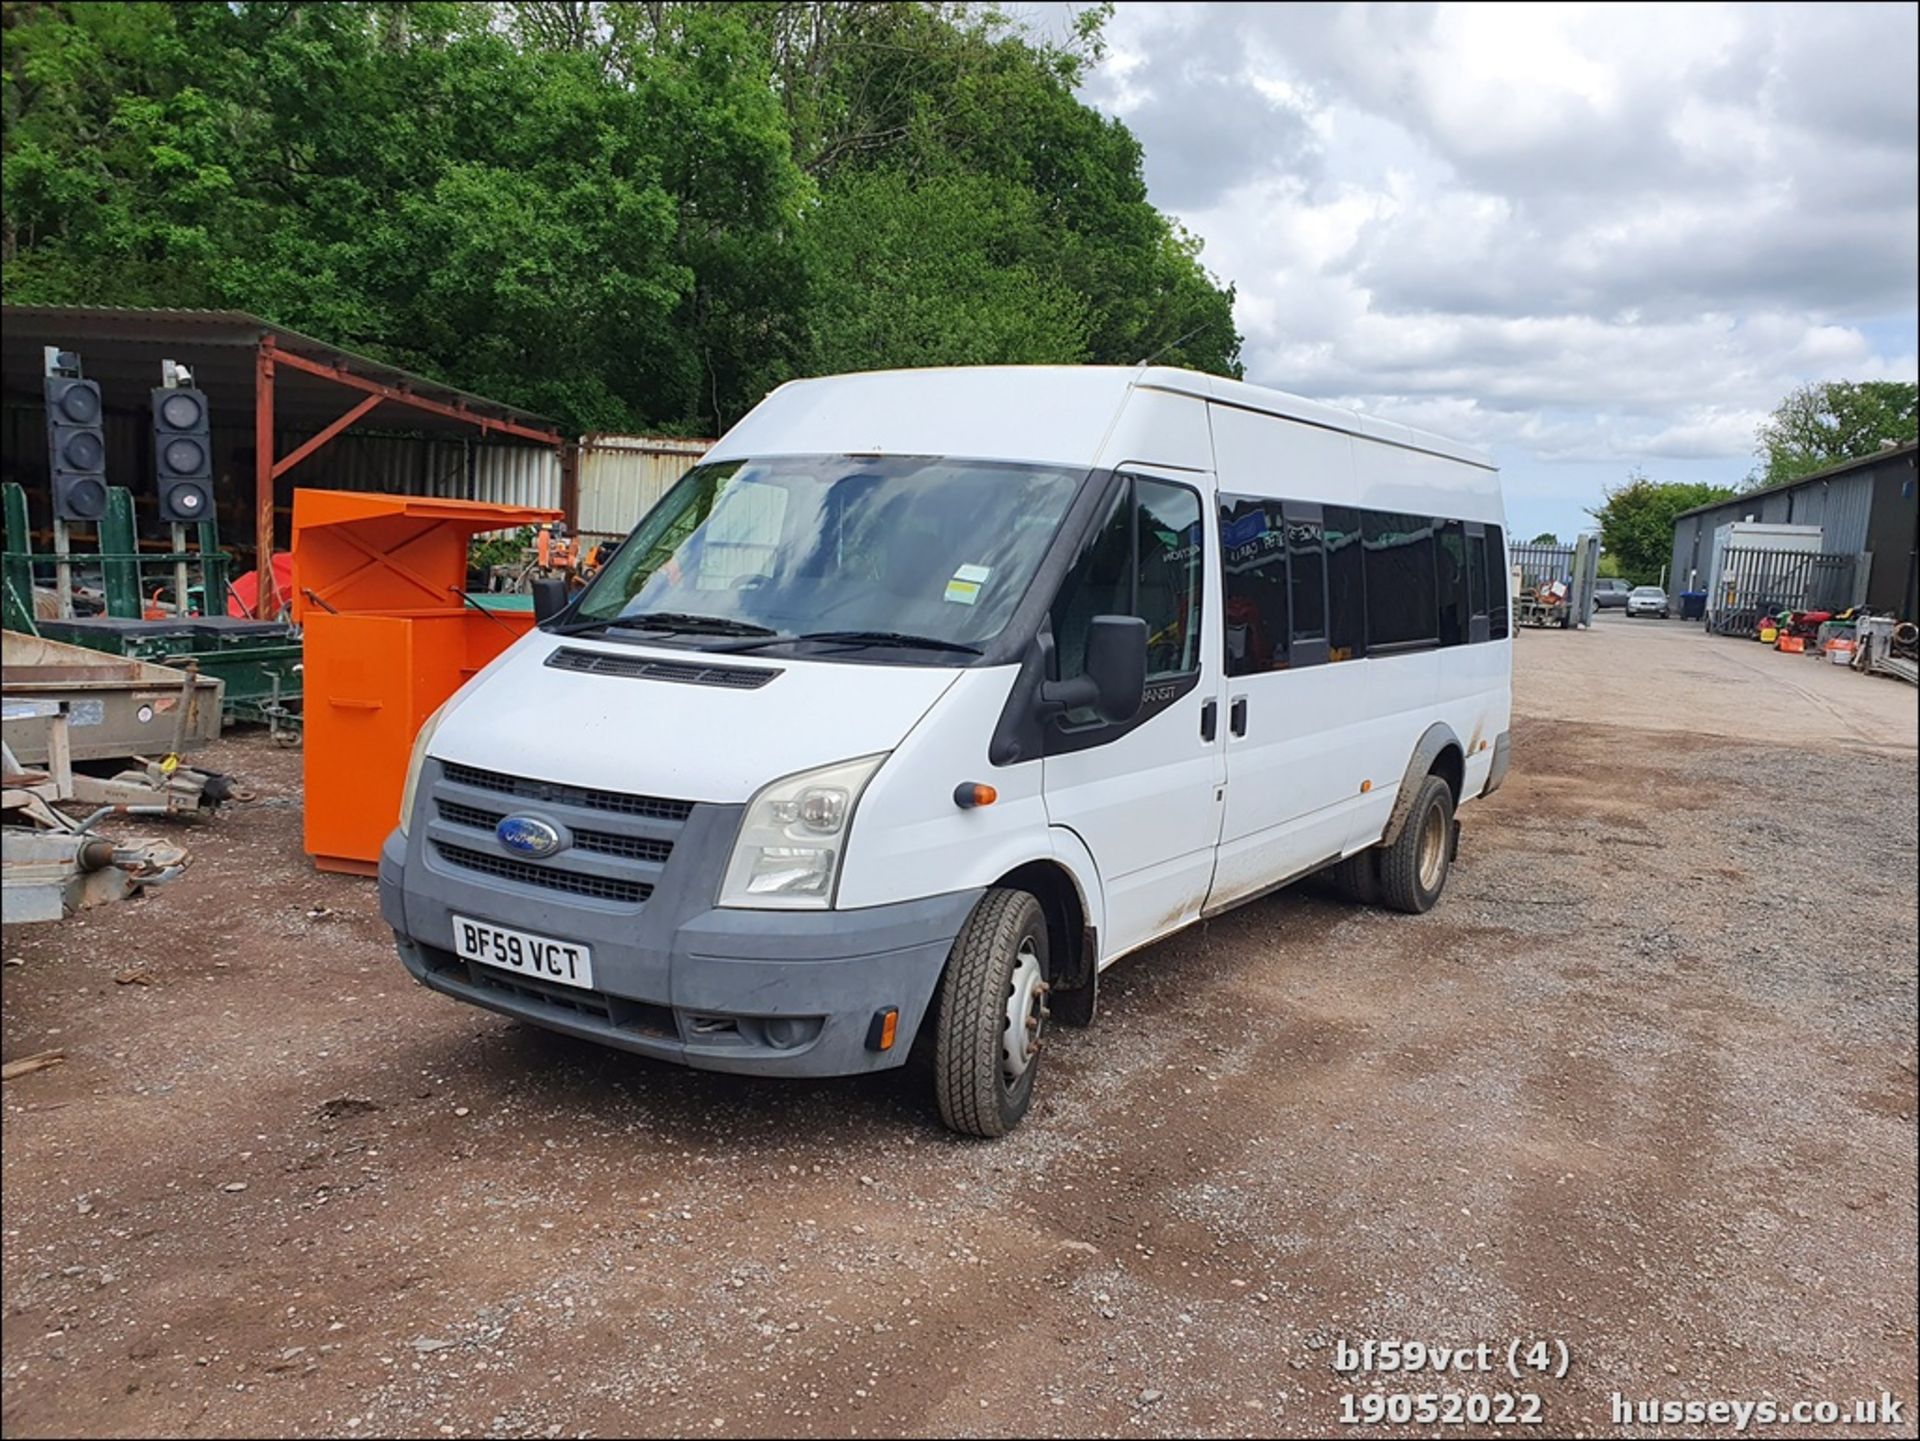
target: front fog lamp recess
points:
(793, 836)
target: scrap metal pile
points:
(1876, 644)
(79, 733)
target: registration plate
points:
(567, 963)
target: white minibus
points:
(927, 695)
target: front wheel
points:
(992, 1017)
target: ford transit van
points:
(927, 695)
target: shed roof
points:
(1843, 468)
(122, 347)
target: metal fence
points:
(1754, 583)
(1539, 564)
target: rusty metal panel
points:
(621, 476)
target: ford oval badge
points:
(527, 836)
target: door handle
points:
(1237, 716)
(1209, 720)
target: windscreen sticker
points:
(964, 588)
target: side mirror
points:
(1115, 680)
(549, 599)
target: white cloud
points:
(1578, 234)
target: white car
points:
(1648, 600)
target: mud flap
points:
(1072, 1002)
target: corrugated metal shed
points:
(1844, 501)
(621, 476)
(122, 348)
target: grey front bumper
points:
(781, 993)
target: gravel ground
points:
(1644, 1083)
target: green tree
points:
(1636, 522)
(1546, 537)
(1821, 425)
(941, 273)
(624, 215)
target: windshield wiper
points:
(889, 637)
(671, 621)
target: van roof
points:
(1077, 402)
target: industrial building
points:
(1865, 507)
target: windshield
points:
(919, 552)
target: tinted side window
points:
(1497, 583)
(1452, 592)
(1253, 547)
(1169, 577)
(1477, 575)
(1401, 576)
(1305, 539)
(1145, 559)
(1346, 584)
(1100, 583)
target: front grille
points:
(611, 801)
(461, 815)
(641, 1016)
(638, 848)
(549, 877)
(595, 662)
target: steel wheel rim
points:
(1433, 849)
(1026, 1013)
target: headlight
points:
(414, 762)
(791, 841)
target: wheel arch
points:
(1073, 945)
(1438, 753)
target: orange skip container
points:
(379, 590)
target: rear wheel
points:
(1357, 878)
(1414, 869)
(993, 1015)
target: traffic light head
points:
(76, 448)
(182, 455)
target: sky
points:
(1588, 238)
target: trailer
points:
(116, 706)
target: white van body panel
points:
(1056, 415)
(1293, 789)
(689, 742)
(1172, 815)
(1160, 429)
(1050, 414)
(909, 837)
(1148, 805)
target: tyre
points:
(1413, 870)
(992, 1015)
(1357, 878)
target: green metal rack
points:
(259, 661)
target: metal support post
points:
(213, 567)
(266, 602)
(62, 576)
(119, 555)
(18, 567)
(179, 569)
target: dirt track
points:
(1644, 1082)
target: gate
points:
(1754, 583)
